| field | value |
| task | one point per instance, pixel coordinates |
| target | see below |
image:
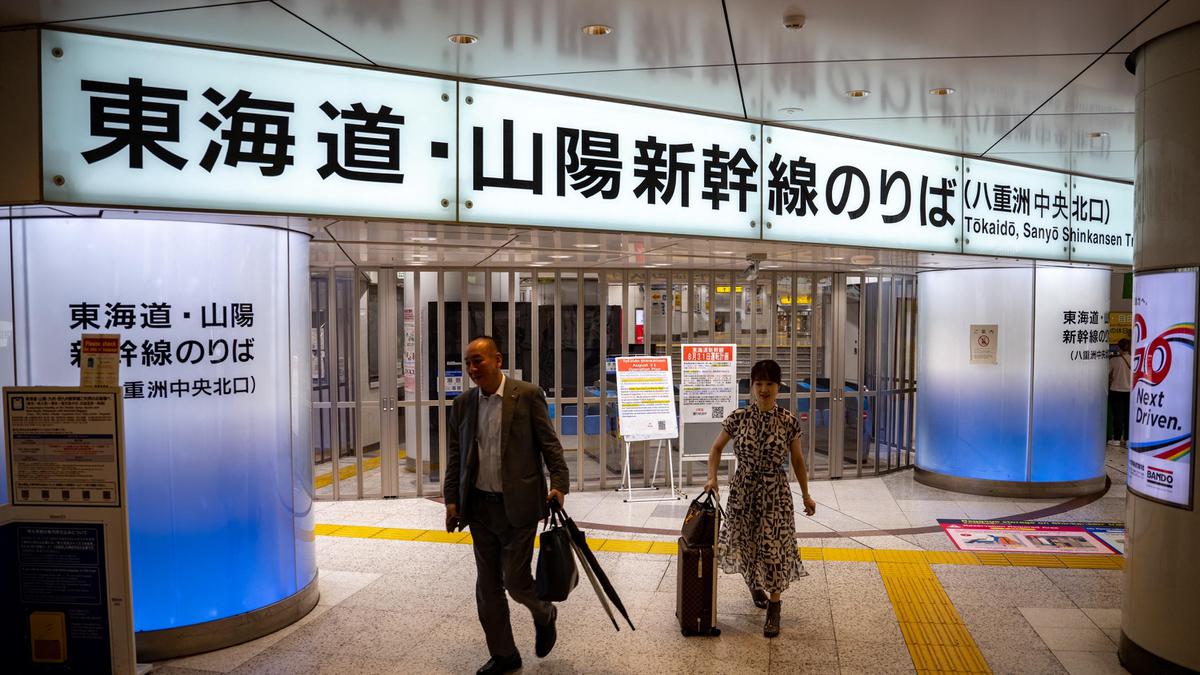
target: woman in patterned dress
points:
(758, 534)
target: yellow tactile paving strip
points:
(832, 554)
(936, 637)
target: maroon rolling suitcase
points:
(696, 590)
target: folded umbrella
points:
(581, 541)
(595, 584)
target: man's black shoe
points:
(546, 635)
(498, 665)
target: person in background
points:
(1120, 381)
(757, 537)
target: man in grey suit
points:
(499, 438)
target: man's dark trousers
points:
(503, 554)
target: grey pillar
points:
(1162, 590)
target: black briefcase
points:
(557, 575)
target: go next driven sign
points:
(142, 124)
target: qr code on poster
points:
(662, 425)
(718, 412)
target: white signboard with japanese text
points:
(64, 446)
(1015, 211)
(832, 190)
(546, 159)
(1101, 221)
(707, 382)
(1163, 399)
(145, 124)
(646, 398)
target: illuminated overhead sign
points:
(832, 190)
(145, 124)
(546, 159)
(140, 124)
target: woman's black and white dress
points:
(757, 536)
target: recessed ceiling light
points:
(418, 256)
(771, 267)
(723, 252)
(538, 264)
(862, 259)
(791, 110)
(1097, 134)
(587, 245)
(462, 39)
(942, 91)
(596, 29)
(835, 257)
(858, 93)
(561, 257)
(424, 238)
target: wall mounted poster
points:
(983, 343)
(1163, 399)
(707, 382)
(646, 398)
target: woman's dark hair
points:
(766, 370)
(1123, 344)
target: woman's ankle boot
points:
(771, 627)
(760, 598)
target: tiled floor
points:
(407, 606)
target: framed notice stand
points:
(707, 395)
(646, 412)
(66, 607)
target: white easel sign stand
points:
(708, 393)
(646, 412)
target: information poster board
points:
(708, 382)
(66, 605)
(99, 360)
(646, 398)
(1163, 398)
(63, 447)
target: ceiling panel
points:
(967, 135)
(711, 89)
(1174, 14)
(18, 12)
(1071, 133)
(1106, 87)
(420, 234)
(390, 254)
(885, 29)
(985, 86)
(259, 26)
(522, 37)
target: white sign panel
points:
(63, 446)
(984, 343)
(1162, 402)
(544, 159)
(707, 382)
(646, 398)
(832, 190)
(144, 124)
(1101, 221)
(1015, 211)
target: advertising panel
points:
(646, 398)
(707, 382)
(1163, 399)
(144, 124)
(546, 159)
(1035, 536)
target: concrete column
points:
(1162, 590)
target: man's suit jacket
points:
(527, 442)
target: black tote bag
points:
(557, 575)
(702, 521)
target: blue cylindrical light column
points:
(214, 322)
(1012, 370)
